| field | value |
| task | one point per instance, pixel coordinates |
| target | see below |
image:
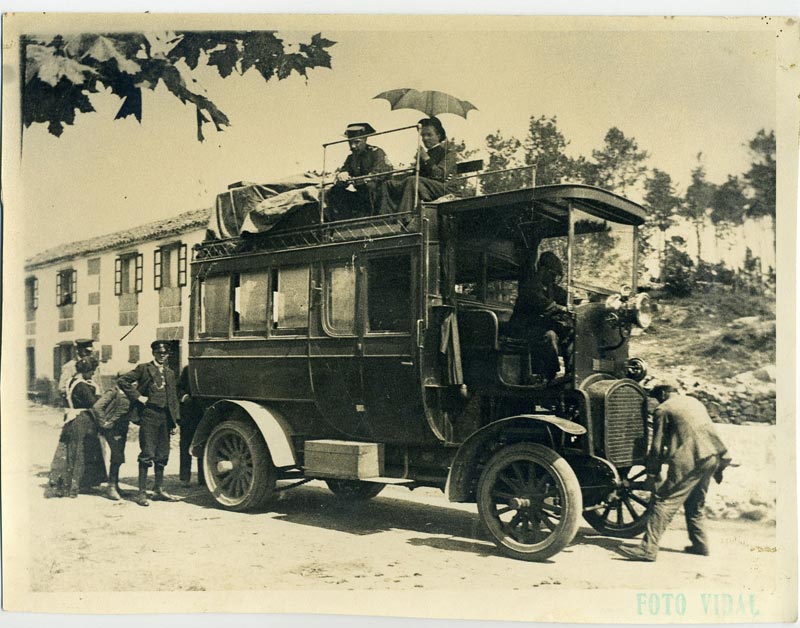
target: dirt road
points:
(312, 539)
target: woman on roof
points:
(437, 162)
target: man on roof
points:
(351, 196)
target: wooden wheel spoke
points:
(629, 506)
(638, 499)
(499, 495)
(638, 475)
(551, 509)
(504, 510)
(546, 521)
(620, 518)
(519, 471)
(511, 483)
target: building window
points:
(169, 266)
(250, 293)
(169, 275)
(290, 298)
(133, 354)
(31, 297)
(389, 294)
(66, 287)
(105, 353)
(340, 298)
(93, 266)
(128, 282)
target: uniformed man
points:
(153, 389)
(685, 439)
(83, 349)
(540, 313)
(349, 198)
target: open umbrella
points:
(429, 102)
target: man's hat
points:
(159, 345)
(84, 342)
(358, 129)
(665, 383)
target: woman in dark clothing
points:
(437, 162)
(83, 465)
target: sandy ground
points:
(399, 540)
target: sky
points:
(678, 93)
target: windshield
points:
(602, 255)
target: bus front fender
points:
(464, 471)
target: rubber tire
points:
(571, 501)
(262, 484)
(354, 490)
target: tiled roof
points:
(187, 221)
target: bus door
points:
(335, 348)
(389, 304)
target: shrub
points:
(679, 272)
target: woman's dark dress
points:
(78, 463)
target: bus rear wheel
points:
(238, 468)
(530, 501)
(354, 490)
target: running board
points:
(387, 480)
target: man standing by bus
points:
(684, 438)
(152, 387)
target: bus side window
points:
(340, 298)
(389, 293)
(290, 297)
(215, 297)
(250, 291)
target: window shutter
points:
(118, 276)
(182, 265)
(35, 293)
(157, 269)
(58, 288)
(74, 287)
(139, 272)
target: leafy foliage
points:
(697, 201)
(679, 273)
(503, 153)
(728, 203)
(619, 165)
(762, 174)
(61, 72)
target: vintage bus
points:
(373, 351)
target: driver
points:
(540, 313)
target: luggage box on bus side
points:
(345, 460)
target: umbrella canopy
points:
(429, 102)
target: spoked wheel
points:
(530, 501)
(354, 490)
(238, 468)
(627, 506)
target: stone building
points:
(123, 290)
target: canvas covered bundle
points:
(255, 208)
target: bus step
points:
(387, 480)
